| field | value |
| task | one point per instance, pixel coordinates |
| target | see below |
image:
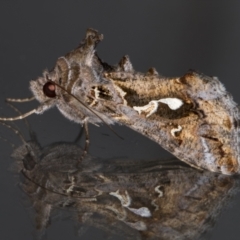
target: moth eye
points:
(49, 89)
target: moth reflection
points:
(137, 200)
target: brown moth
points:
(193, 116)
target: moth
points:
(192, 116)
(125, 198)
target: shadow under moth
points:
(192, 116)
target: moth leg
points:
(40, 109)
(87, 140)
(18, 117)
(31, 133)
(20, 100)
(79, 136)
(19, 112)
(15, 130)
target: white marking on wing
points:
(174, 130)
(173, 103)
(124, 199)
(152, 106)
(140, 226)
(157, 190)
(143, 211)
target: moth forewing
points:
(193, 117)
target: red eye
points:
(49, 89)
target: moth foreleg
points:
(18, 117)
(20, 100)
(40, 109)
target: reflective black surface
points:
(172, 36)
(121, 198)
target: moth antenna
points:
(83, 104)
(20, 100)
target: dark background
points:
(172, 36)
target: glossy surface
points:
(172, 37)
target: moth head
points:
(44, 88)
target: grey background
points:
(172, 36)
